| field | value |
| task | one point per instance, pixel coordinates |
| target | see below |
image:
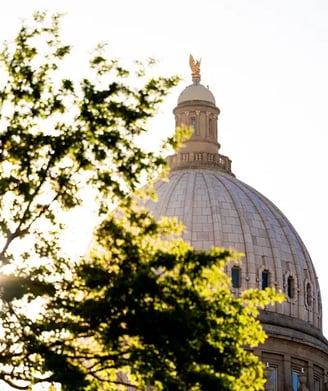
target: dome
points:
(196, 92)
(219, 210)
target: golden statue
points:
(195, 68)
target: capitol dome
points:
(220, 210)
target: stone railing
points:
(183, 160)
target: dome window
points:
(290, 287)
(235, 277)
(308, 294)
(265, 275)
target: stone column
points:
(287, 375)
(207, 130)
(310, 375)
(198, 129)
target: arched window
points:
(193, 122)
(290, 287)
(265, 279)
(235, 276)
(308, 294)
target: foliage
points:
(144, 306)
(59, 137)
(163, 312)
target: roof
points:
(196, 92)
(219, 210)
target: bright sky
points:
(266, 61)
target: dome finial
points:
(195, 69)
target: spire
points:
(195, 69)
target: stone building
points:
(220, 210)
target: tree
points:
(139, 305)
(59, 138)
(162, 312)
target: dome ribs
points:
(245, 244)
(165, 193)
(302, 266)
(220, 210)
(188, 206)
(216, 217)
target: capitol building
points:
(222, 211)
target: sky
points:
(266, 62)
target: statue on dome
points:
(195, 69)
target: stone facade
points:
(220, 210)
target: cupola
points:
(196, 108)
